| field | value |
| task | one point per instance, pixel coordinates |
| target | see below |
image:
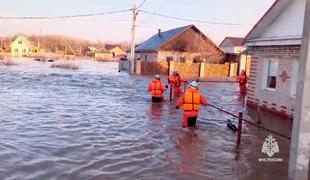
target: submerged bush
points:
(70, 66)
(7, 62)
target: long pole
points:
(133, 44)
(300, 148)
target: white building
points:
(274, 44)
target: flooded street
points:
(96, 123)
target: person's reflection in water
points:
(191, 151)
(156, 113)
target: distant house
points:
(91, 51)
(235, 52)
(183, 44)
(103, 54)
(116, 51)
(232, 45)
(274, 44)
(21, 47)
(107, 52)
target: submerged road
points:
(96, 123)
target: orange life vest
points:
(242, 79)
(156, 88)
(176, 80)
(191, 100)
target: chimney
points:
(159, 31)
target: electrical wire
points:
(64, 17)
(151, 15)
(191, 20)
(141, 4)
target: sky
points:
(117, 27)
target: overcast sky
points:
(116, 27)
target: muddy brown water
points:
(96, 123)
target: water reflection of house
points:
(235, 52)
(21, 46)
(181, 44)
(274, 44)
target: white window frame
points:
(294, 78)
(266, 72)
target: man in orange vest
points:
(242, 79)
(175, 82)
(191, 101)
(157, 89)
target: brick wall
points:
(279, 101)
(147, 56)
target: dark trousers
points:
(157, 99)
(191, 121)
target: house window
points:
(294, 78)
(271, 67)
(196, 59)
(24, 50)
(20, 42)
(169, 58)
(16, 50)
(182, 59)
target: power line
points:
(149, 17)
(141, 4)
(191, 20)
(64, 17)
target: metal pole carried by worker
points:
(175, 81)
(190, 101)
(157, 89)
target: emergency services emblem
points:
(270, 146)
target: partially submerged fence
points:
(150, 68)
(186, 69)
(240, 122)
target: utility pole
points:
(300, 143)
(133, 44)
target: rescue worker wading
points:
(242, 79)
(190, 101)
(157, 88)
(175, 82)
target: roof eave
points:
(273, 42)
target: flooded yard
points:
(96, 123)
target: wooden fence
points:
(216, 70)
(186, 69)
(156, 67)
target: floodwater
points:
(96, 123)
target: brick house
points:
(183, 44)
(274, 45)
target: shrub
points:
(70, 66)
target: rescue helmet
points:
(156, 76)
(193, 84)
